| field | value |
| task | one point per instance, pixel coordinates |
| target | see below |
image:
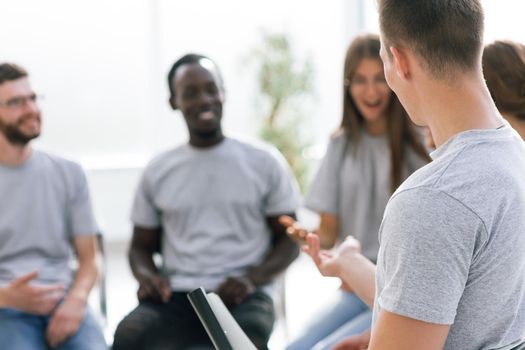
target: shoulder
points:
(256, 150)
(338, 140)
(54, 162)
(426, 218)
(165, 160)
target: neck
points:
(376, 127)
(13, 155)
(449, 110)
(205, 142)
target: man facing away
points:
(211, 208)
(451, 266)
(45, 208)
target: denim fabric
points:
(22, 331)
(347, 315)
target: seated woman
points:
(373, 151)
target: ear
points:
(401, 62)
(173, 104)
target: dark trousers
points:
(175, 326)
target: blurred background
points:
(102, 66)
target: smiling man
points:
(210, 207)
(45, 211)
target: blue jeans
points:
(22, 331)
(347, 315)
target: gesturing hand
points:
(65, 321)
(297, 232)
(328, 263)
(32, 298)
(154, 287)
(234, 290)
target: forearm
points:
(328, 230)
(3, 299)
(359, 273)
(327, 241)
(282, 255)
(85, 279)
(142, 263)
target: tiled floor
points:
(305, 290)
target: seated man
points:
(45, 209)
(212, 207)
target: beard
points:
(14, 135)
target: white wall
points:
(101, 65)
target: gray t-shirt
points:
(212, 205)
(44, 203)
(354, 185)
(453, 242)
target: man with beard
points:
(45, 211)
(211, 208)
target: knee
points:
(128, 335)
(135, 327)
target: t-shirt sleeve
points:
(324, 191)
(82, 218)
(144, 213)
(283, 191)
(428, 240)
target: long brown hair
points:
(400, 130)
(504, 71)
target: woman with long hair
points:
(375, 148)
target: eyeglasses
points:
(20, 101)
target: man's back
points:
(453, 238)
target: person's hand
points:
(35, 299)
(234, 290)
(155, 288)
(328, 263)
(297, 232)
(325, 261)
(355, 342)
(65, 321)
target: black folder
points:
(224, 332)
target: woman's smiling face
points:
(369, 90)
